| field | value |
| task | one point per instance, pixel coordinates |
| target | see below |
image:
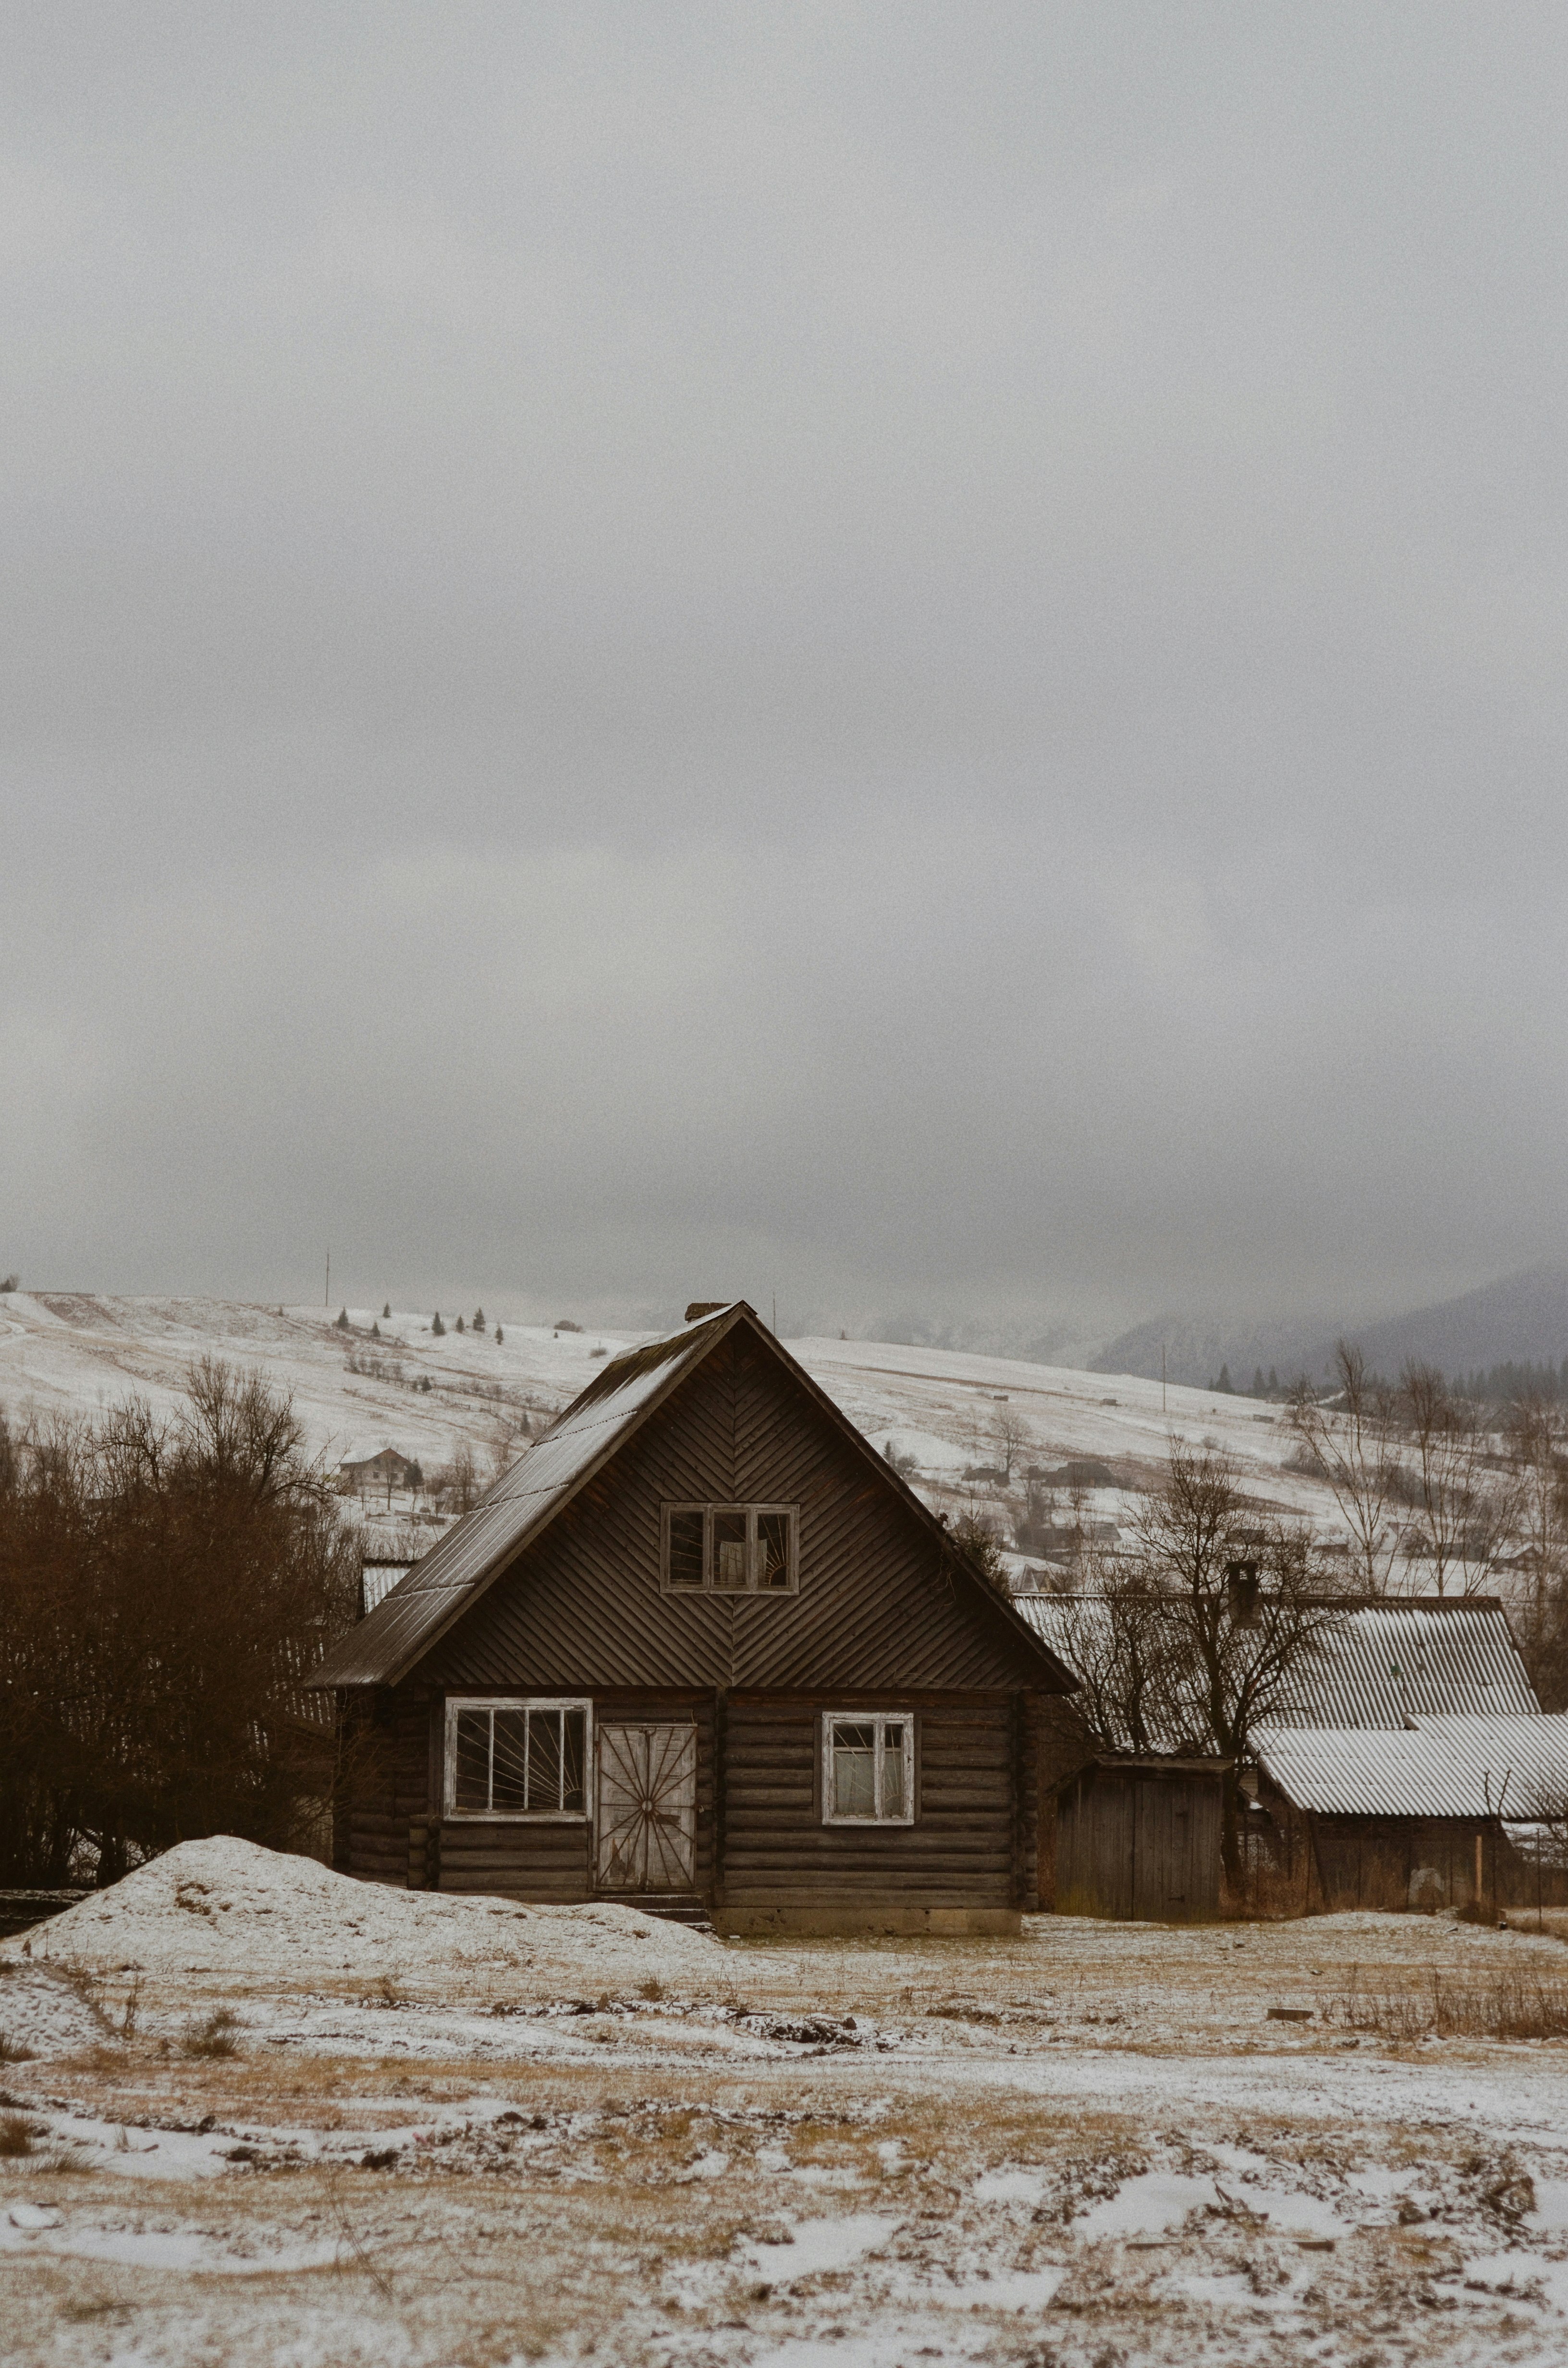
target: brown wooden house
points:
(702, 1649)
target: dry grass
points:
(212, 2037)
(19, 2135)
(1439, 2005)
(13, 2051)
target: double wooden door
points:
(646, 1822)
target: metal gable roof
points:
(442, 1583)
(1396, 1661)
(1511, 1766)
(1391, 1662)
(460, 1566)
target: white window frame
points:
(458, 1703)
(880, 1720)
(729, 1505)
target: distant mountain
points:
(1522, 1320)
(1196, 1347)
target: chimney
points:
(1240, 1587)
(704, 1307)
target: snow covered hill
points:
(430, 1395)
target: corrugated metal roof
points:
(1390, 1662)
(443, 1582)
(378, 1579)
(1442, 1768)
(1396, 1661)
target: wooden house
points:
(365, 1472)
(701, 1648)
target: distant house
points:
(366, 1471)
(703, 1649)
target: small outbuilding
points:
(1137, 1830)
(1449, 1812)
(702, 1649)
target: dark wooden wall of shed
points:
(1393, 1863)
(880, 1606)
(1145, 1845)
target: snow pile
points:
(44, 2013)
(223, 1906)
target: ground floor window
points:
(868, 1768)
(517, 1759)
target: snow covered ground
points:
(76, 1353)
(1087, 2147)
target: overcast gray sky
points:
(913, 655)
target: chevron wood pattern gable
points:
(877, 1604)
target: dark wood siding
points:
(1138, 1844)
(959, 1851)
(544, 1861)
(879, 1605)
(383, 1790)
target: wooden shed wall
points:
(1138, 1844)
(879, 1606)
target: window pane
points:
(471, 1782)
(893, 1770)
(509, 1766)
(854, 1769)
(686, 1549)
(544, 1759)
(572, 1792)
(729, 1548)
(773, 1550)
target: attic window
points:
(730, 1550)
(517, 1757)
(867, 1768)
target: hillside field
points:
(65, 1353)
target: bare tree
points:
(166, 1586)
(1246, 1602)
(1537, 1442)
(1009, 1432)
(1466, 1504)
(1355, 1448)
(1125, 1650)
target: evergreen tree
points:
(1273, 1382)
(436, 1326)
(479, 1319)
(375, 1331)
(500, 1336)
(459, 1323)
(1257, 1381)
(1225, 1383)
(386, 1309)
(343, 1319)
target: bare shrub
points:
(1435, 2006)
(215, 2036)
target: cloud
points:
(917, 659)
